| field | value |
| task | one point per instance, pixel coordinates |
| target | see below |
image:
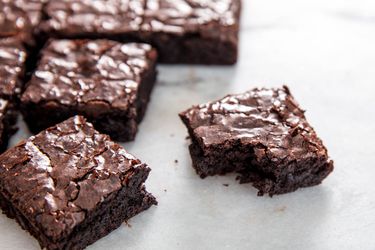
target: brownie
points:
(183, 31)
(106, 81)
(263, 135)
(70, 185)
(12, 69)
(20, 18)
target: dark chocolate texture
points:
(262, 134)
(106, 81)
(69, 185)
(20, 18)
(12, 69)
(183, 31)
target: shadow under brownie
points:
(107, 82)
(69, 185)
(263, 135)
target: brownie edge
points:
(261, 134)
(69, 185)
(107, 82)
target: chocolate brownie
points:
(183, 31)
(106, 81)
(70, 185)
(20, 18)
(12, 69)
(263, 135)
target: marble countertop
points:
(324, 51)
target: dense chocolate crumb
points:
(262, 134)
(70, 185)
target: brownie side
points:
(261, 134)
(108, 82)
(8, 120)
(202, 32)
(123, 126)
(109, 216)
(69, 185)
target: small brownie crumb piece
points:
(261, 134)
(108, 82)
(12, 69)
(69, 185)
(183, 31)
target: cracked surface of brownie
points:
(12, 70)
(184, 31)
(12, 67)
(70, 177)
(106, 81)
(262, 134)
(20, 18)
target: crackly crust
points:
(58, 177)
(262, 133)
(79, 72)
(20, 18)
(179, 17)
(266, 118)
(12, 67)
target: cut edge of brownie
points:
(241, 162)
(101, 224)
(108, 214)
(117, 208)
(8, 123)
(231, 156)
(128, 131)
(121, 125)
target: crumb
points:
(165, 190)
(127, 224)
(280, 209)
(227, 185)
(176, 161)
(187, 137)
(171, 135)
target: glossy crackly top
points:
(269, 120)
(12, 64)
(75, 17)
(19, 17)
(74, 72)
(57, 176)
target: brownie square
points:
(70, 185)
(107, 82)
(263, 135)
(184, 31)
(20, 18)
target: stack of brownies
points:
(79, 70)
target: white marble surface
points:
(324, 50)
